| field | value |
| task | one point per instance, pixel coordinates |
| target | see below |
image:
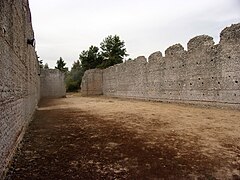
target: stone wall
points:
(52, 83)
(204, 73)
(92, 82)
(19, 80)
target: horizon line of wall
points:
(205, 72)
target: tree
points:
(76, 65)
(91, 58)
(46, 66)
(77, 72)
(113, 51)
(74, 77)
(61, 65)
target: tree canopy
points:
(46, 66)
(113, 51)
(61, 65)
(91, 58)
(74, 77)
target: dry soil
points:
(109, 138)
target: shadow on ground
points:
(72, 144)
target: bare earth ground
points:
(108, 138)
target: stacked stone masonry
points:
(52, 83)
(93, 84)
(19, 79)
(204, 73)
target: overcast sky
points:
(64, 28)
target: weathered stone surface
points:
(52, 83)
(126, 79)
(200, 42)
(19, 80)
(156, 56)
(230, 34)
(174, 50)
(204, 73)
(92, 82)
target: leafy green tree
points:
(76, 65)
(61, 65)
(113, 51)
(74, 77)
(91, 58)
(77, 72)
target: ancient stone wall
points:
(127, 79)
(19, 80)
(205, 72)
(52, 83)
(92, 82)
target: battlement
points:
(200, 42)
(175, 50)
(230, 34)
(205, 72)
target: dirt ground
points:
(109, 138)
